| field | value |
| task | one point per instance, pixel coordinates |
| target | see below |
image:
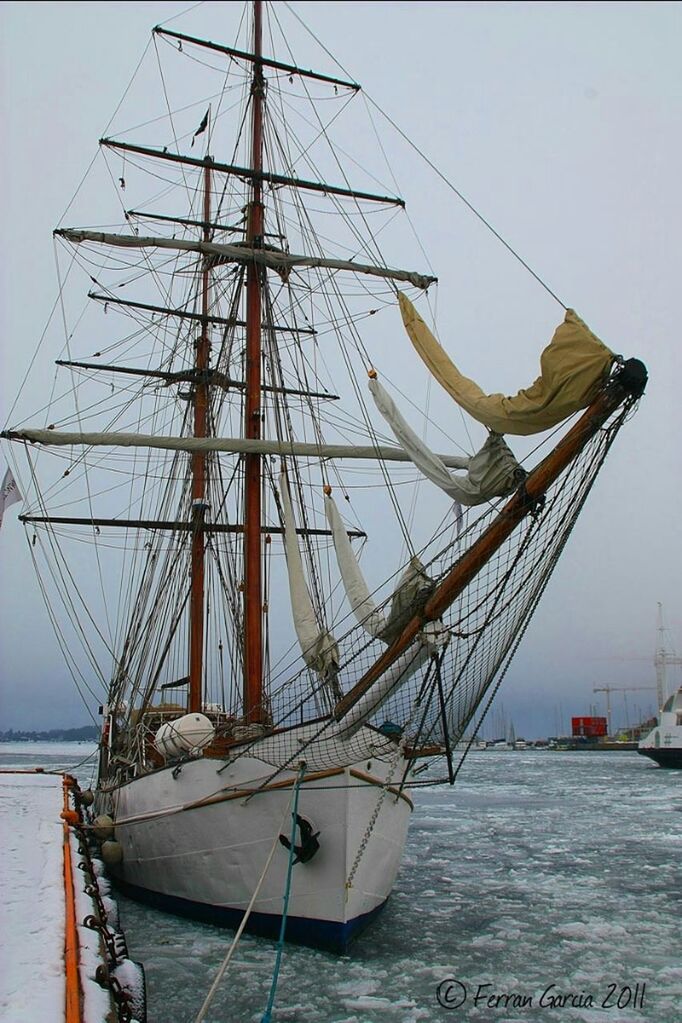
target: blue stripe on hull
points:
(323, 934)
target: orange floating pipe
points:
(73, 990)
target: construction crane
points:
(615, 689)
(661, 661)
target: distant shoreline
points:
(86, 733)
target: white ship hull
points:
(663, 744)
(206, 861)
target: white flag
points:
(9, 494)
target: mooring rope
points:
(230, 952)
(267, 1015)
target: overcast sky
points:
(561, 123)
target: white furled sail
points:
(204, 445)
(318, 646)
(283, 262)
(433, 637)
(357, 591)
(413, 589)
(491, 472)
(414, 585)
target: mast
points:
(253, 642)
(199, 506)
(660, 661)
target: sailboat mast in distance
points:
(253, 644)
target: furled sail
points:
(357, 590)
(491, 472)
(237, 445)
(318, 646)
(429, 642)
(284, 262)
(413, 589)
(573, 368)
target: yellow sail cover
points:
(573, 368)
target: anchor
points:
(309, 844)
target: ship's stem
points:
(253, 645)
(201, 363)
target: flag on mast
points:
(9, 494)
(203, 126)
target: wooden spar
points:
(253, 175)
(185, 314)
(178, 527)
(253, 599)
(631, 381)
(201, 364)
(218, 254)
(188, 222)
(185, 221)
(290, 69)
(212, 377)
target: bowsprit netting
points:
(440, 703)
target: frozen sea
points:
(548, 876)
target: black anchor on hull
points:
(309, 844)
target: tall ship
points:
(291, 602)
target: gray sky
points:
(561, 123)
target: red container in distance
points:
(589, 727)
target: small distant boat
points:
(664, 742)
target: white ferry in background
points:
(664, 742)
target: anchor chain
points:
(393, 763)
(128, 1005)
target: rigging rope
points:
(230, 952)
(267, 1015)
(185, 10)
(432, 165)
(393, 764)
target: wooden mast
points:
(199, 506)
(253, 644)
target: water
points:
(539, 868)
